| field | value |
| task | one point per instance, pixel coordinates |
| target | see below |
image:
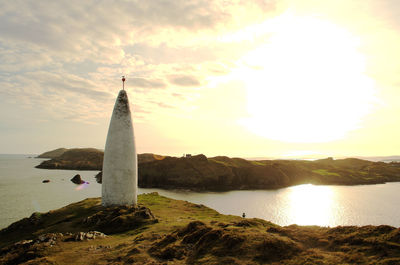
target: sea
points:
(23, 192)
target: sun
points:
(307, 82)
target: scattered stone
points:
(77, 179)
(26, 250)
(49, 239)
(81, 236)
(24, 242)
(119, 218)
(46, 181)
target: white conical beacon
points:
(119, 182)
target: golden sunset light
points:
(284, 77)
(307, 83)
(199, 132)
(310, 204)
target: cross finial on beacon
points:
(123, 82)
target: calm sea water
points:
(22, 193)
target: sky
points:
(262, 78)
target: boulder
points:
(116, 219)
(99, 177)
(81, 236)
(77, 179)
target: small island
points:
(73, 159)
(53, 153)
(223, 173)
(161, 230)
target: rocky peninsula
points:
(222, 173)
(74, 159)
(53, 153)
(166, 231)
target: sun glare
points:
(309, 204)
(307, 83)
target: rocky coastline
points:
(223, 173)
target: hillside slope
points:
(53, 153)
(179, 232)
(223, 173)
(77, 159)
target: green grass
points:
(325, 172)
(220, 162)
(257, 163)
(214, 239)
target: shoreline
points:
(224, 173)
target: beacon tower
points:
(119, 183)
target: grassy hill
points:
(224, 173)
(179, 232)
(82, 159)
(77, 159)
(53, 154)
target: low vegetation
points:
(77, 159)
(223, 173)
(178, 232)
(53, 153)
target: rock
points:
(49, 239)
(77, 179)
(99, 177)
(80, 236)
(46, 181)
(119, 218)
(26, 250)
(24, 243)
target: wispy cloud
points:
(184, 80)
(63, 60)
(146, 83)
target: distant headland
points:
(223, 173)
(74, 159)
(53, 153)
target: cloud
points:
(58, 95)
(94, 27)
(178, 95)
(140, 109)
(184, 80)
(17, 58)
(98, 29)
(65, 58)
(164, 105)
(146, 83)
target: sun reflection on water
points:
(309, 205)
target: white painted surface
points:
(119, 185)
